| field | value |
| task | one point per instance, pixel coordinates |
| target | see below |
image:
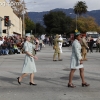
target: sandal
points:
(18, 81)
(71, 85)
(85, 84)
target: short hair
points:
(75, 36)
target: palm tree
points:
(80, 8)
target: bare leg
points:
(22, 76)
(32, 78)
(85, 56)
(82, 74)
(71, 75)
(82, 55)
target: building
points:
(16, 22)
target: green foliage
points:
(29, 25)
(80, 8)
(57, 22)
(39, 29)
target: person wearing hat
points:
(84, 47)
(32, 41)
(29, 66)
(56, 48)
(76, 61)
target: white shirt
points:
(1, 42)
(43, 37)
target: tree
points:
(39, 29)
(80, 8)
(85, 24)
(56, 22)
(29, 25)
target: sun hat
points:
(28, 34)
(77, 33)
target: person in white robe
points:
(60, 43)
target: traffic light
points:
(6, 20)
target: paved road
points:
(52, 78)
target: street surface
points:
(51, 78)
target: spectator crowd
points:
(14, 44)
(11, 45)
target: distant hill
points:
(37, 17)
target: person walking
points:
(50, 41)
(33, 42)
(40, 43)
(84, 47)
(76, 61)
(98, 44)
(91, 44)
(56, 48)
(88, 42)
(29, 66)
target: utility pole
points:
(76, 23)
(23, 30)
(7, 31)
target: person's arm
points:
(59, 40)
(26, 51)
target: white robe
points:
(60, 44)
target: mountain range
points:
(37, 17)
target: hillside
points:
(37, 17)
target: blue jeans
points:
(5, 51)
(11, 51)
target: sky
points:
(47, 5)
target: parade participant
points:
(56, 48)
(37, 44)
(60, 43)
(29, 66)
(88, 41)
(76, 61)
(84, 47)
(40, 43)
(91, 44)
(50, 41)
(32, 41)
(98, 44)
